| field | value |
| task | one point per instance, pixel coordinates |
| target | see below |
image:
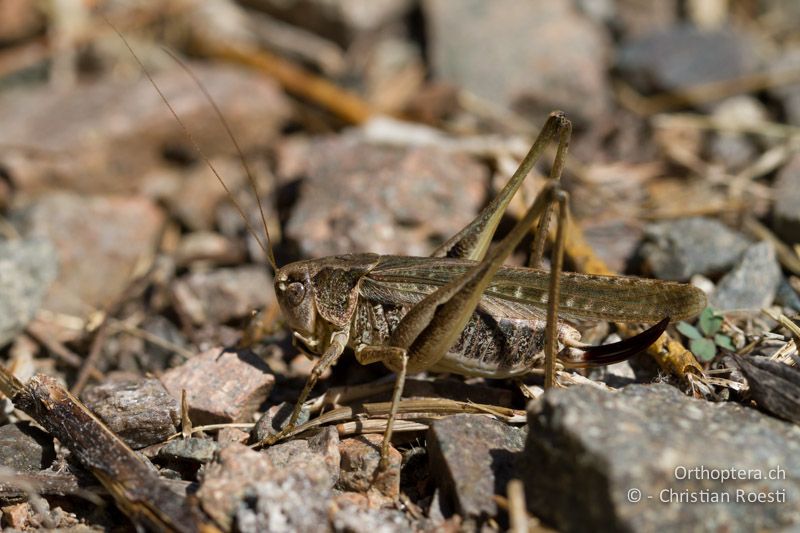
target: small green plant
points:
(705, 338)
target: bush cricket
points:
(461, 310)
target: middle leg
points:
(393, 358)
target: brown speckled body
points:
(461, 310)
(365, 296)
(488, 346)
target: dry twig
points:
(136, 487)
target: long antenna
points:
(250, 178)
(266, 249)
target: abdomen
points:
(494, 347)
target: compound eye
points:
(295, 293)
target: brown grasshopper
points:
(461, 310)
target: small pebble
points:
(221, 385)
(752, 283)
(360, 458)
(140, 411)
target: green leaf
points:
(703, 349)
(709, 322)
(688, 330)
(723, 341)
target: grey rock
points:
(350, 517)
(275, 419)
(786, 295)
(591, 453)
(684, 55)
(752, 283)
(504, 52)
(733, 150)
(27, 268)
(616, 375)
(472, 458)
(678, 249)
(156, 358)
(224, 294)
(786, 211)
(320, 452)
(140, 411)
(221, 385)
(136, 127)
(191, 449)
(360, 457)
(225, 480)
(100, 242)
(788, 94)
(293, 501)
(25, 448)
(614, 241)
(359, 197)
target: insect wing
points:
(516, 291)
